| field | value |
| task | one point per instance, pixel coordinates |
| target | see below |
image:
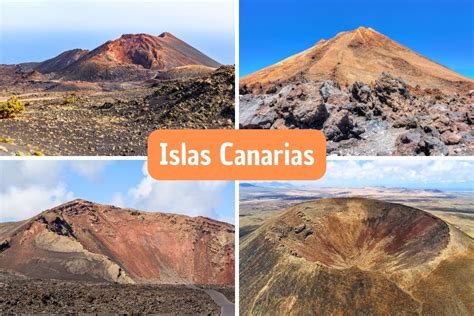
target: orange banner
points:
(236, 154)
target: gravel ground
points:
(118, 123)
(35, 296)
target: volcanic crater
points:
(392, 237)
(353, 256)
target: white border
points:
(237, 183)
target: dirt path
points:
(227, 307)
(27, 97)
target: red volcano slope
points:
(88, 241)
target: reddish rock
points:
(130, 57)
(450, 138)
(350, 256)
(88, 241)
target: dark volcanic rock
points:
(340, 126)
(332, 93)
(450, 138)
(360, 92)
(416, 143)
(442, 124)
(310, 114)
(117, 122)
(19, 297)
(392, 91)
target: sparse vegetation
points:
(6, 140)
(11, 107)
(70, 99)
(32, 153)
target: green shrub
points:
(11, 107)
(6, 140)
(37, 153)
(31, 153)
(70, 99)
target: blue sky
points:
(442, 30)
(29, 187)
(413, 173)
(35, 30)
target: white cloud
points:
(117, 200)
(183, 197)
(22, 203)
(29, 187)
(91, 169)
(22, 173)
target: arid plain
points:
(261, 203)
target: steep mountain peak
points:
(134, 56)
(167, 35)
(365, 30)
(363, 55)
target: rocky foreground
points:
(387, 117)
(53, 296)
(117, 120)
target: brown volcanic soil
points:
(84, 241)
(60, 62)
(54, 296)
(356, 256)
(130, 56)
(118, 121)
(358, 55)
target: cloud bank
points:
(29, 187)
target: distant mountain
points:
(131, 57)
(61, 62)
(354, 256)
(275, 184)
(132, 54)
(81, 240)
(247, 185)
(359, 55)
(434, 190)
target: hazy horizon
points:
(416, 174)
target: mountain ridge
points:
(131, 57)
(81, 240)
(358, 55)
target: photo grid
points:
(85, 229)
